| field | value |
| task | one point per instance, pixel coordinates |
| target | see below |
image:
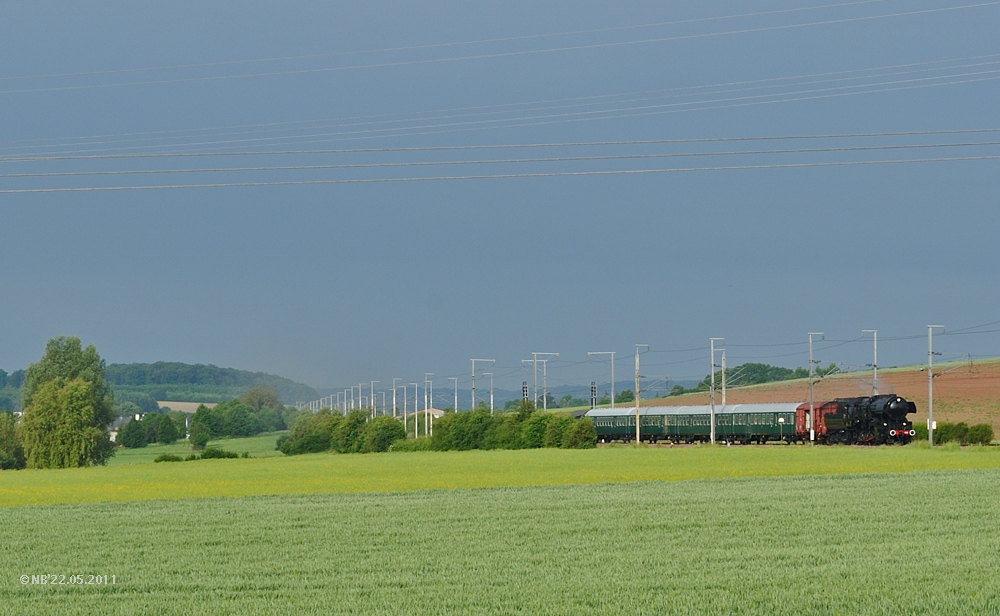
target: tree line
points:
(521, 428)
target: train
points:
(872, 420)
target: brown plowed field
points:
(968, 392)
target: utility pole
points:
(535, 359)
(637, 392)
(490, 374)
(374, 400)
(874, 333)
(711, 346)
(492, 363)
(812, 409)
(723, 377)
(394, 395)
(455, 378)
(612, 354)
(416, 407)
(930, 380)
(427, 413)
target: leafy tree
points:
(624, 396)
(68, 426)
(11, 451)
(260, 397)
(166, 431)
(209, 417)
(180, 422)
(127, 409)
(269, 420)
(605, 399)
(132, 435)
(151, 426)
(58, 428)
(144, 402)
(200, 435)
(239, 420)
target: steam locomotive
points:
(873, 420)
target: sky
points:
(340, 192)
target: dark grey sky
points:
(334, 284)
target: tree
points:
(261, 397)
(166, 432)
(67, 405)
(11, 452)
(58, 428)
(200, 435)
(626, 395)
(132, 435)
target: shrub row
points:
(354, 433)
(351, 433)
(961, 432)
(524, 428)
(210, 452)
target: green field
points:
(329, 472)
(911, 543)
(257, 446)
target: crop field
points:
(328, 472)
(910, 543)
(257, 446)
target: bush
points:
(921, 432)
(167, 457)
(212, 452)
(346, 436)
(980, 434)
(462, 431)
(581, 435)
(505, 433)
(556, 430)
(533, 430)
(411, 444)
(311, 433)
(380, 433)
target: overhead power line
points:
(508, 54)
(505, 161)
(452, 148)
(410, 48)
(603, 99)
(499, 176)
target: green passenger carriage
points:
(742, 423)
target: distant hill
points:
(199, 382)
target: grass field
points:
(912, 543)
(258, 446)
(472, 469)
